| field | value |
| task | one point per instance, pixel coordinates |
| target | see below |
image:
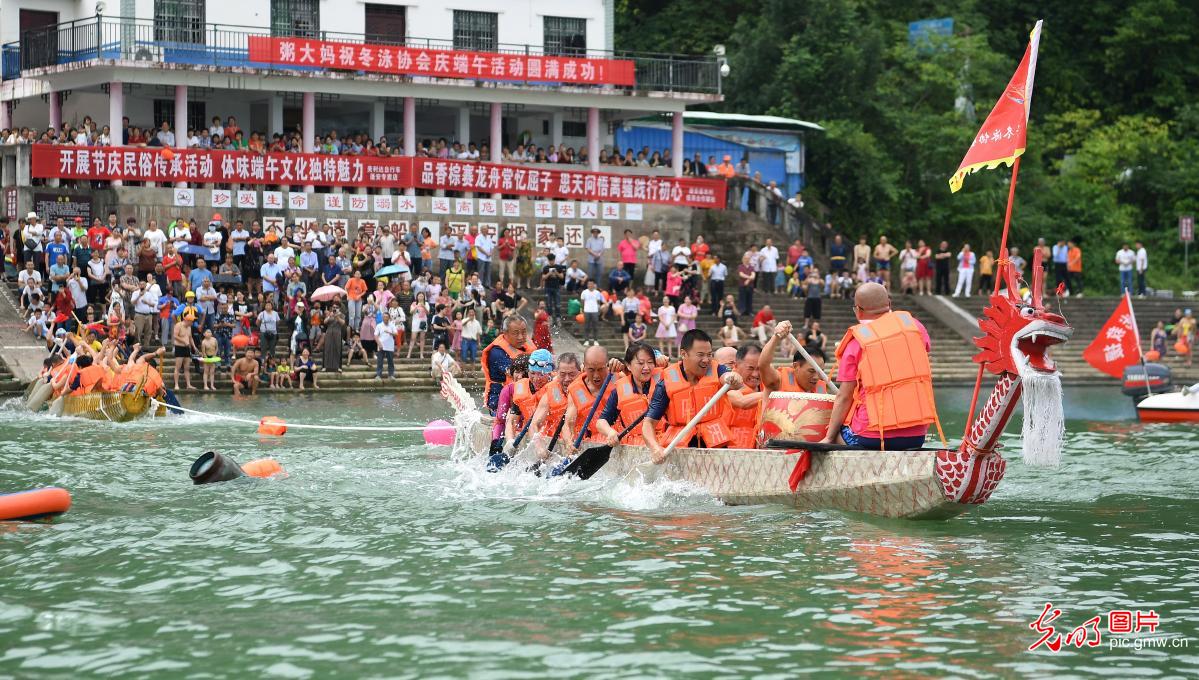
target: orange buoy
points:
(1153, 355)
(579, 318)
(168, 153)
(34, 504)
(240, 341)
(272, 425)
(263, 467)
(1181, 347)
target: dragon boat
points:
(929, 483)
(117, 407)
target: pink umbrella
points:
(327, 293)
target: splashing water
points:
(1044, 418)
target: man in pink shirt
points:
(871, 302)
(628, 248)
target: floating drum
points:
(439, 433)
(212, 467)
(272, 426)
(263, 468)
(34, 504)
(796, 415)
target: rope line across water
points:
(255, 423)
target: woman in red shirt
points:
(506, 249)
(172, 263)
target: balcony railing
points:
(227, 46)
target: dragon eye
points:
(1026, 311)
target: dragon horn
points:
(1008, 272)
(1038, 277)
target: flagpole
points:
(1007, 225)
(1137, 331)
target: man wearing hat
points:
(32, 235)
(596, 245)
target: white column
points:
(181, 121)
(556, 128)
(593, 141)
(497, 137)
(463, 125)
(116, 112)
(410, 133)
(308, 127)
(377, 118)
(676, 143)
(5, 115)
(181, 116)
(55, 111)
(274, 109)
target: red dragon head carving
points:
(1011, 326)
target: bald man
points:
(800, 376)
(886, 397)
(582, 393)
(726, 356)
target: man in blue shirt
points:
(803, 263)
(331, 272)
(1061, 256)
(270, 271)
(55, 248)
(310, 264)
(59, 272)
(199, 275)
(618, 278)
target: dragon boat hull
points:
(116, 407)
(922, 484)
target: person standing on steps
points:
(966, 262)
(941, 261)
(1142, 265)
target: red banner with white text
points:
(200, 166)
(434, 173)
(439, 63)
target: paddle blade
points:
(589, 462)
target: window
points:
(179, 21)
(164, 109)
(386, 24)
(476, 30)
(574, 128)
(300, 18)
(565, 36)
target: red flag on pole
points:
(1002, 137)
(1118, 344)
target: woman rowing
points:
(630, 397)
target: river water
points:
(378, 557)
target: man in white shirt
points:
(768, 265)
(681, 254)
(285, 255)
(32, 237)
(560, 251)
(238, 238)
(443, 362)
(445, 251)
(654, 245)
(592, 299)
(387, 242)
(1126, 261)
(385, 335)
(212, 241)
(1142, 266)
(156, 237)
(716, 278)
(30, 280)
(484, 245)
(575, 277)
(269, 271)
(165, 136)
(145, 305)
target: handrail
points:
(226, 45)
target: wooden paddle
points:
(651, 472)
(590, 461)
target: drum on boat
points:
(796, 415)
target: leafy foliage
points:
(1113, 151)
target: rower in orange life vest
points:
(496, 357)
(745, 404)
(684, 389)
(886, 396)
(628, 397)
(583, 392)
(527, 392)
(800, 376)
(551, 408)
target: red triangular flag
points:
(1118, 344)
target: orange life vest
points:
(580, 395)
(789, 383)
(89, 378)
(512, 352)
(686, 400)
(894, 377)
(631, 404)
(525, 399)
(744, 423)
(557, 401)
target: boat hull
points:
(893, 484)
(116, 407)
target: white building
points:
(147, 59)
